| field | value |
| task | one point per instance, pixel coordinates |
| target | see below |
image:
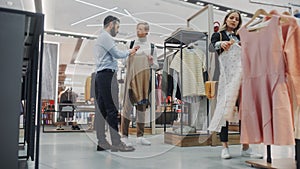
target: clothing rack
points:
(179, 40)
(269, 4)
(21, 56)
(297, 5)
(275, 5)
(259, 163)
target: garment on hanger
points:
(167, 85)
(193, 62)
(92, 88)
(266, 115)
(296, 111)
(67, 96)
(158, 93)
(290, 34)
(229, 86)
(87, 93)
(137, 81)
(291, 37)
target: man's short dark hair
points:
(109, 19)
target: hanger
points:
(256, 22)
(284, 17)
(191, 46)
(256, 14)
(286, 13)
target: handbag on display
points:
(211, 86)
(210, 89)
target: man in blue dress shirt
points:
(106, 85)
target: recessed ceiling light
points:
(244, 15)
(216, 7)
(200, 3)
(9, 3)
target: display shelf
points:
(47, 117)
(188, 140)
(66, 129)
(78, 108)
(185, 37)
(132, 130)
(180, 39)
(233, 139)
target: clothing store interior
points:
(197, 84)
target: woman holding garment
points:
(225, 42)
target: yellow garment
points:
(87, 94)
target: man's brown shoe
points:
(122, 147)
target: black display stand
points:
(179, 40)
(297, 153)
(21, 49)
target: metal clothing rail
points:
(297, 5)
(269, 4)
(269, 158)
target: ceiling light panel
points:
(218, 7)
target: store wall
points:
(49, 81)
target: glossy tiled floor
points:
(78, 151)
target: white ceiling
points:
(86, 17)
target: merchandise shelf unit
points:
(179, 40)
(48, 111)
(21, 40)
(88, 109)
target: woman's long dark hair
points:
(224, 26)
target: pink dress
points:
(266, 115)
(291, 36)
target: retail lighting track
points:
(90, 37)
(93, 16)
(122, 14)
(134, 24)
(70, 35)
(78, 36)
(130, 15)
(218, 7)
